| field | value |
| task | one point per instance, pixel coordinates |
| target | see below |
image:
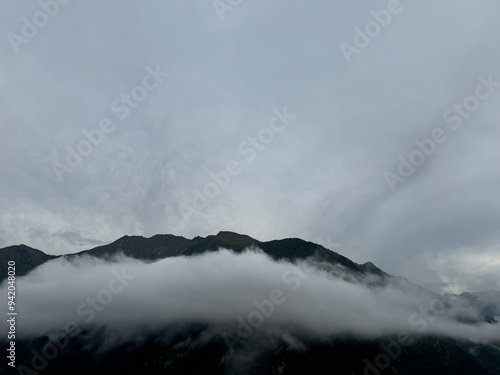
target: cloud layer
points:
(223, 289)
(322, 176)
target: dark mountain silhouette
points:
(154, 354)
(26, 258)
(342, 355)
(167, 245)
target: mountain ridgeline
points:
(196, 347)
(166, 245)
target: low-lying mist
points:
(243, 292)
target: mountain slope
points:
(192, 347)
(166, 245)
(26, 258)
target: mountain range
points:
(166, 245)
(342, 354)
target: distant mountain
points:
(166, 245)
(290, 249)
(486, 303)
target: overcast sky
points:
(322, 176)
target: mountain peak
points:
(371, 268)
(234, 238)
(26, 259)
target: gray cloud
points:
(221, 289)
(322, 176)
